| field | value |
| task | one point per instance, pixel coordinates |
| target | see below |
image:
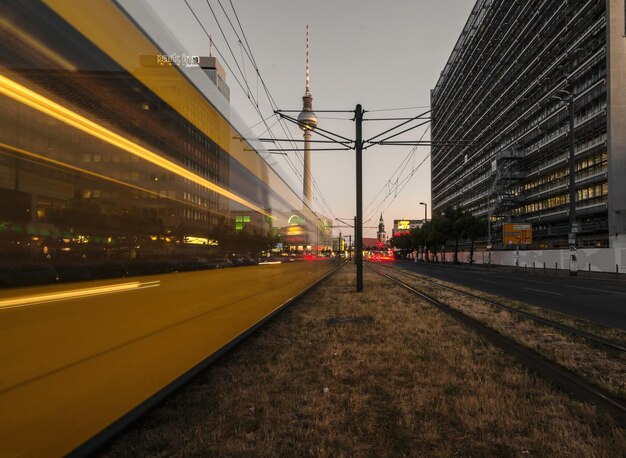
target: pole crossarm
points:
(317, 130)
(345, 222)
(396, 119)
(394, 135)
(421, 143)
(269, 151)
(317, 111)
(311, 149)
(275, 140)
(419, 116)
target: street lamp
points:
(425, 217)
(425, 210)
(568, 97)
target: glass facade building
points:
(503, 100)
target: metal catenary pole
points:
(358, 229)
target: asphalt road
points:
(599, 300)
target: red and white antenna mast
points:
(307, 122)
(308, 83)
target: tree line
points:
(448, 228)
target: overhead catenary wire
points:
(400, 168)
(400, 183)
(248, 91)
(273, 104)
(323, 204)
(369, 140)
(397, 109)
(269, 96)
(245, 47)
(398, 171)
(263, 120)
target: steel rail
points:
(553, 372)
(555, 324)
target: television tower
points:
(307, 122)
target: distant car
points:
(148, 267)
(272, 260)
(219, 263)
(205, 263)
(244, 261)
(237, 262)
(100, 271)
(73, 272)
(190, 264)
(27, 274)
(250, 261)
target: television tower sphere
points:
(307, 119)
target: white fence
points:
(594, 259)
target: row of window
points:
(594, 163)
(115, 158)
(584, 194)
(135, 194)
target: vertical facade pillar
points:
(616, 107)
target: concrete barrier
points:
(590, 259)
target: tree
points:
(403, 243)
(473, 228)
(437, 234)
(454, 227)
(418, 238)
(452, 224)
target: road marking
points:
(544, 291)
(532, 281)
(79, 293)
(595, 289)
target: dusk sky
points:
(383, 55)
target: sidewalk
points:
(376, 373)
(538, 270)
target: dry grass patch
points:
(604, 367)
(613, 334)
(409, 382)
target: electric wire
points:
(273, 104)
(255, 105)
(248, 91)
(400, 185)
(397, 109)
(398, 171)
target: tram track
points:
(562, 377)
(603, 342)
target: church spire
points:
(381, 235)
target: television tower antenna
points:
(307, 122)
